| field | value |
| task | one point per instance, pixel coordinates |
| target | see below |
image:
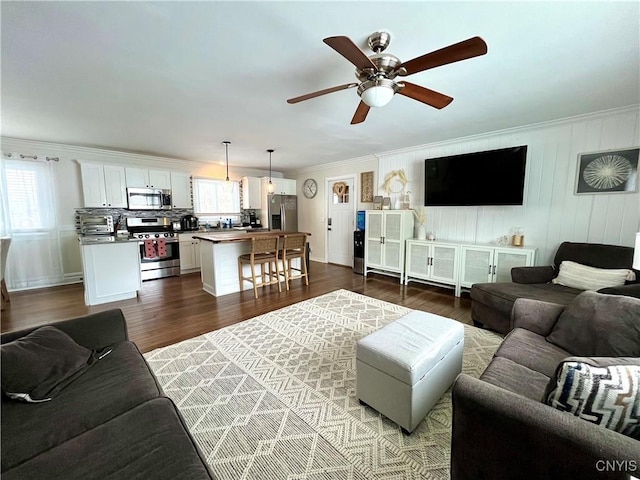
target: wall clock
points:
(310, 188)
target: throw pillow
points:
(576, 275)
(37, 366)
(598, 325)
(605, 395)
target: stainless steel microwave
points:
(148, 199)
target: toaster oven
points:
(96, 225)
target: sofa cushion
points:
(580, 276)
(532, 351)
(516, 378)
(595, 324)
(149, 441)
(115, 384)
(37, 366)
(605, 395)
(502, 295)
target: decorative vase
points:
(422, 232)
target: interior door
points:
(340, 221)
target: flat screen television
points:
(494, 177)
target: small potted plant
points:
(420, 215)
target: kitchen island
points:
(219, 254)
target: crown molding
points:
(96, 155)
(635, 109)
(77, 152)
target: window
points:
(28, 196)
(215, 198)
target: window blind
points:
(215, 197)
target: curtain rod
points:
(33, 157)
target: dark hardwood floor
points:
(174, 309)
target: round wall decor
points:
(310, 188)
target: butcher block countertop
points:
(240, 236)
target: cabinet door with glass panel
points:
(486, 264)
(385, 235)
(432, 262)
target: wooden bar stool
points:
(264, 252)
(294, 246)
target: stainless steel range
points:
(158, 246)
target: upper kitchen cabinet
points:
(103, 185)
(281, 186)
(143, 178)
(251, 196)
(181, 190)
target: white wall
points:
(551, 214)
(312, 212)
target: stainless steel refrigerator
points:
(283, 213)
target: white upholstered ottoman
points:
(403, 369)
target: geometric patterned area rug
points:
(274, 397)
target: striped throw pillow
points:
(605, 395)
(576, 275)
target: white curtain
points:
(28, 216)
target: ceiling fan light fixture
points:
(377, 92)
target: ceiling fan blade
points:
(361, 113)
(349, 50)
(424, 95)
(472, 47)
(321, 92)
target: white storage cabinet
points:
(434, 263)
(385, 236)
(181, 190)
(103, 185)
(189, 253)
(489, 264)
(281, 186)
(145, 178)
(252, 193)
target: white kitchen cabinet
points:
(281, 186)
(385, 236)
(111, 272)
(189, 252)
(181, 190)
(433, 263)
(145, 178)
(103, 185)
(252, 193)
(488, 264)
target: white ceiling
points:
(178, 78)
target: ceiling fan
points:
(377, 72)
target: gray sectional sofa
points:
(111, 421)
(503, 424)
(491, 303)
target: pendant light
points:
(226, 148)
(270, 185)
